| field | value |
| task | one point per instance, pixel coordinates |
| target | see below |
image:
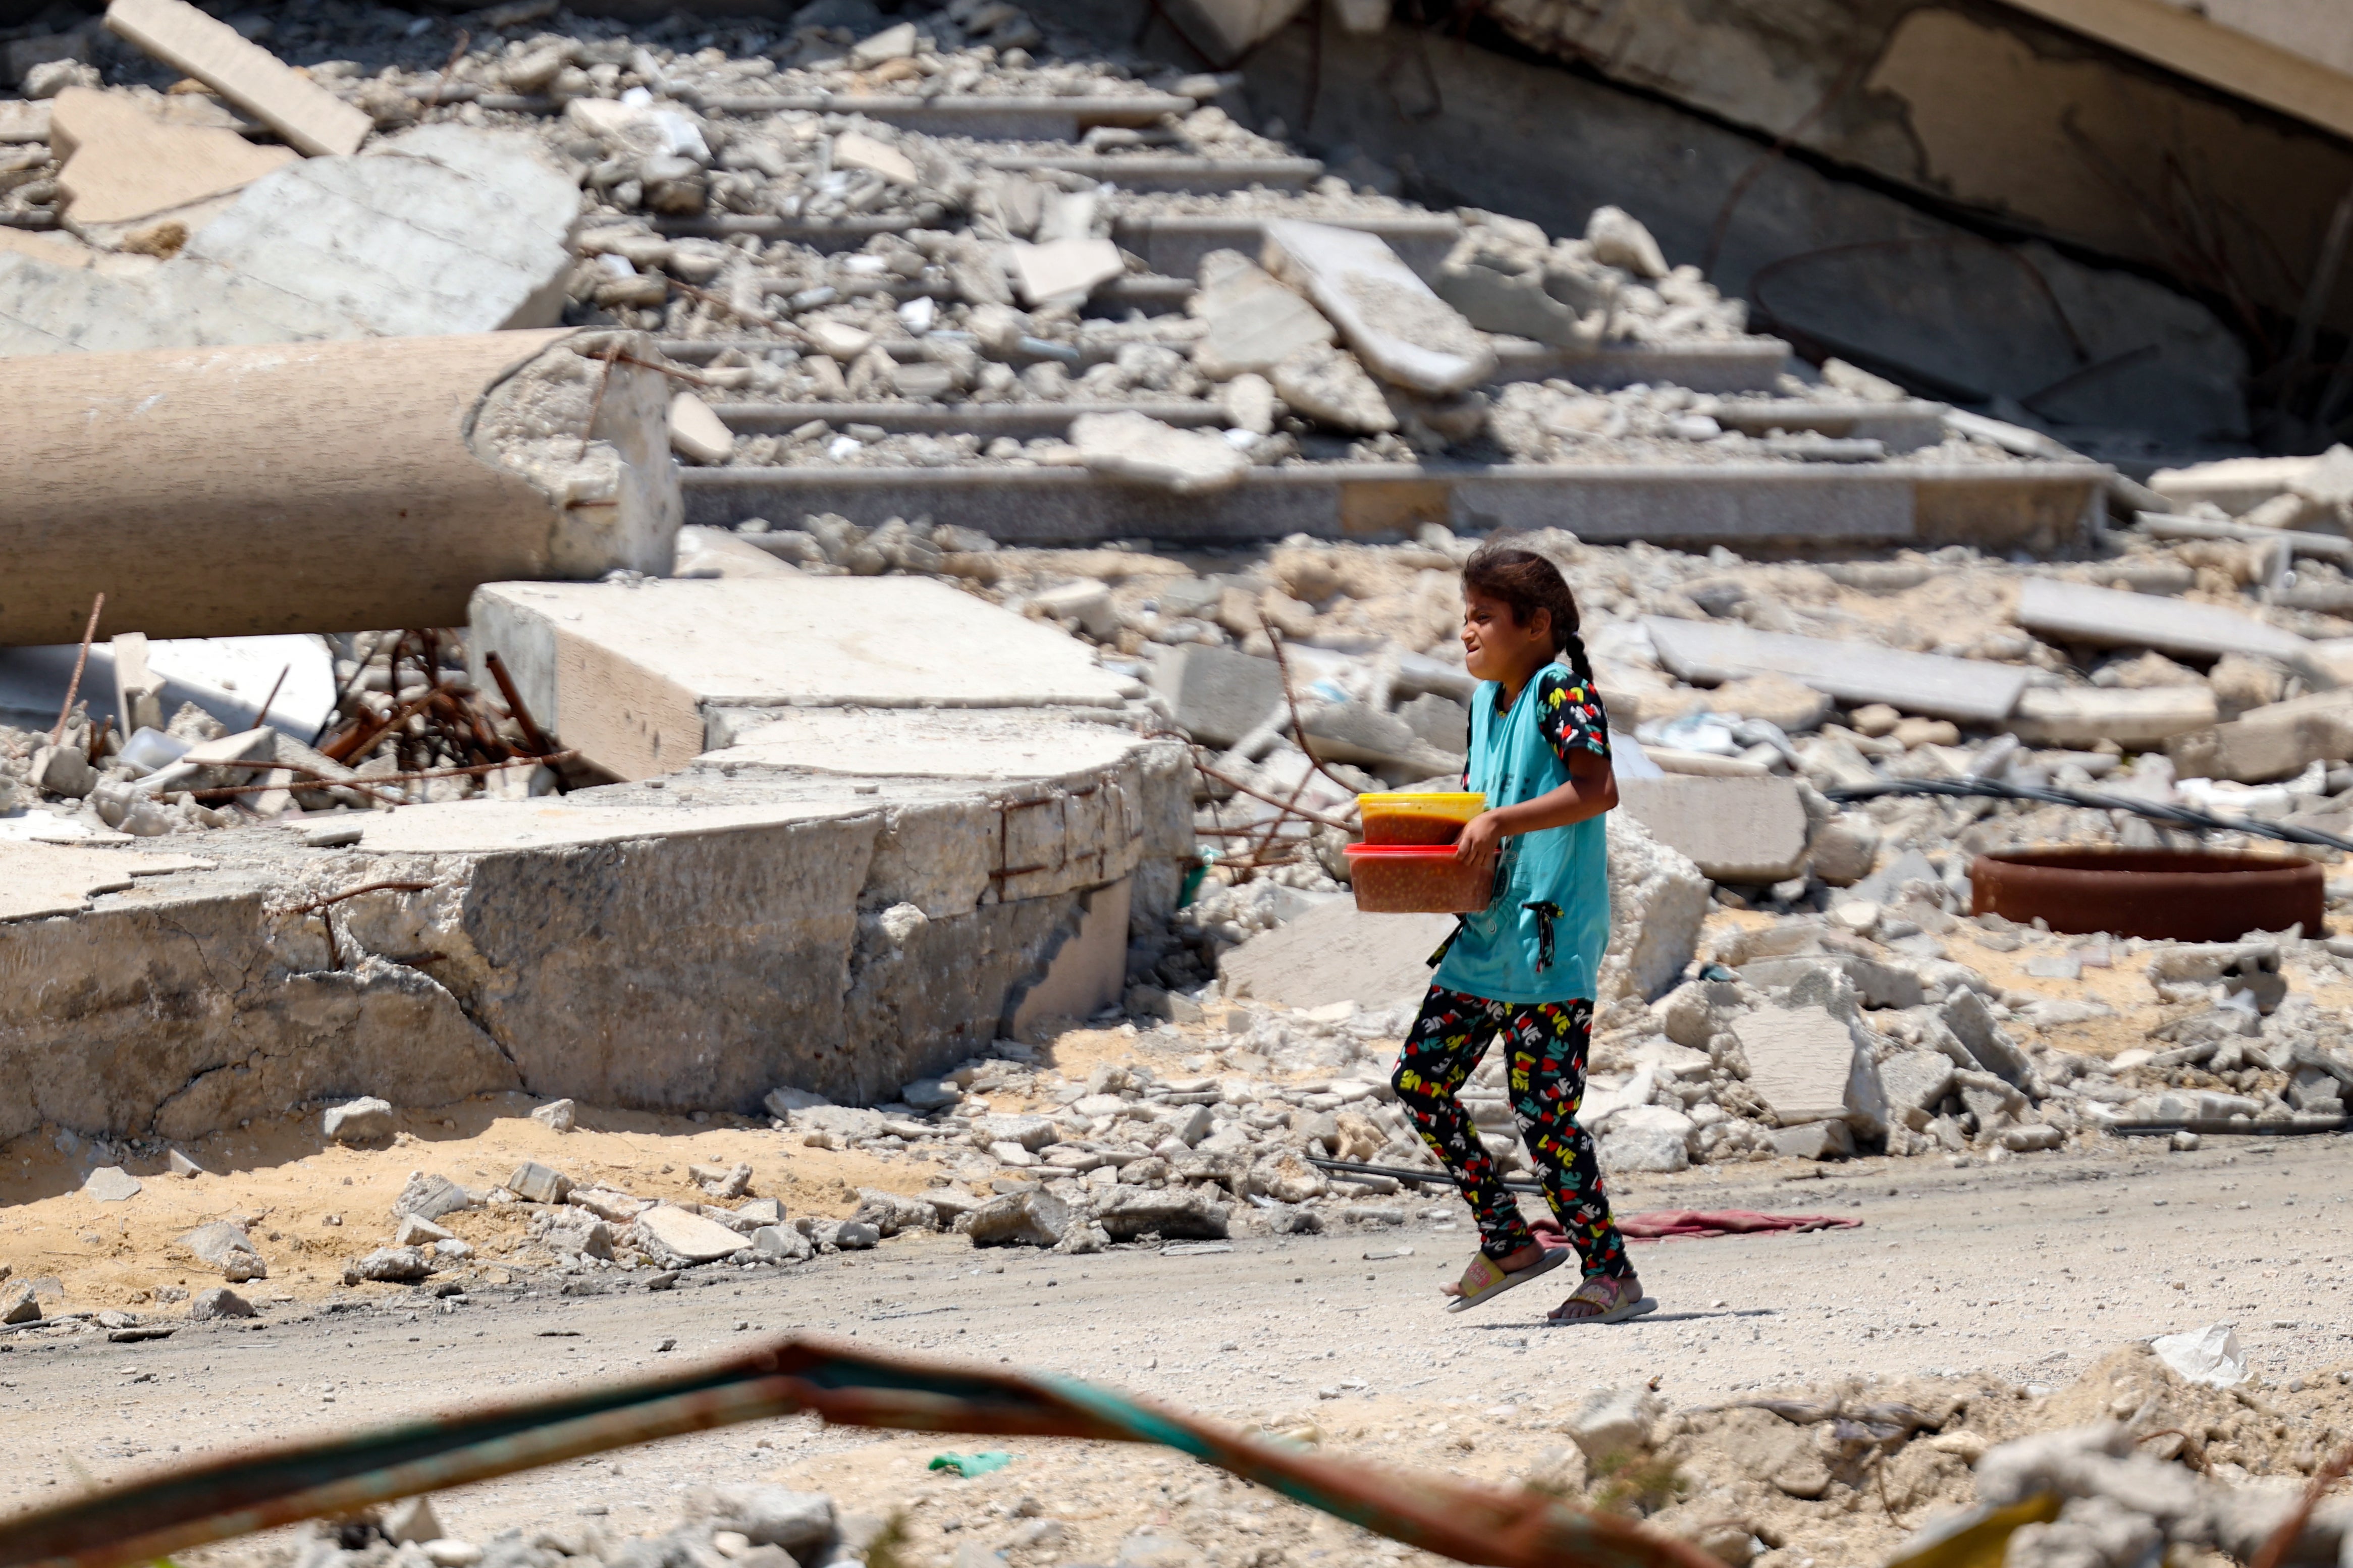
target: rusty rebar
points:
(73, 686)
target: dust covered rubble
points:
(950, 268)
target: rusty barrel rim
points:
(2183, 895)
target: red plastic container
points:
(1414, 880)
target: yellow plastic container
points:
(1410, 818)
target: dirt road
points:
(2009, 1277)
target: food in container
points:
(1415, 879)
(1407, 817)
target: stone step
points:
(2033, 506)
(1024, 420)
(1746, 364)
(1006, 119)
(1902, 426)
(1170, 244)
(1169, 171)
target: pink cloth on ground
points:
(1699, 1224)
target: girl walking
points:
(1524, 967)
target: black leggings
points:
(1547, 1072)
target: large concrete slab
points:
(2107, 618)
(1974, 691)
(687, 946)
(635, 676)
(443, 229)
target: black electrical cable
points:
(2049, 794)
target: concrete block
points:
(1036, 1218)
(1915, 1083)
(1142, 450)
(1217, 695)
(853, 150)
(1807, 1065)
(1254, 321)
(2106, 617)
(1963, 689)
(1744, 830)
(125, 166)
(1815, 1141)
(1792, 705)
(2086, 715)
(1633, 1146)
(1498, 293)
(1172, 1212)
(536, 1184)
(1619, 239)
(1611, 1423)
(1658, 900)
(1063, 270)
(415, 1230)
(1327, 384)
(1404, 334)
(224, 1246)
(308, 116)
(696, 433)
(2273, 741)
(677, 1237)
(1972, 1022)
(362, 1120)
(1875, 983)
(1844, 850)
(1354, 732)
(430, 1196)
(633, 676)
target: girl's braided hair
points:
(1525, 582)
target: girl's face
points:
(1497, 648)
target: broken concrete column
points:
(234, 491)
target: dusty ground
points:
(1998, 1285)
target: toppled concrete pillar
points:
(318, 487)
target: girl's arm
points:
(1591, 790)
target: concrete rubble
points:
(912, 583)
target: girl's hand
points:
(1482, 836)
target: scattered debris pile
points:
(961, 253)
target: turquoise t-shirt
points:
(1542, 937)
